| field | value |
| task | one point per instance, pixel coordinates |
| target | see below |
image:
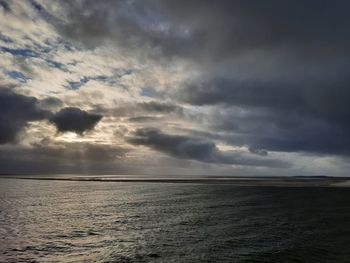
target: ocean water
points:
(67, 221)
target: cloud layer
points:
(222, 87)
(187, 147)
(15, 112)
(74, 120)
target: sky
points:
(163, 87)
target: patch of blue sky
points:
(19, 76)
(21, 52)
(75, 85)
(148, 92)
(57, 65)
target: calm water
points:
(62, 221)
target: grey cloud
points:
(142, 119)
(128, 23)
(282, 65)
(62, 158)
(75, 120)
(5, 5)
(304, 72)
(187, 147)
(161, 107)
(287, 109)
(15, 112)
(181, 146)
(285, 59)
(209, 30)
(258, 151)
(135, 109)
(272, 130)
(320, 96)
(80, 151)
(51, 103)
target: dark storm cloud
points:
(187, 147)
(5, 5)
(321, 99)
(75, 120)
(325, 95)
(287, 60)
(137, 23)
(275, 130)
(203, 29)
(15, 112)
(180, 146)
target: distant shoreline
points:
(236, 181)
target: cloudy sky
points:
(189, 87)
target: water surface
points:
(68, 221)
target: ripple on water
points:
(43, 221)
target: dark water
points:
(62, 221)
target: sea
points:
(96, 221)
